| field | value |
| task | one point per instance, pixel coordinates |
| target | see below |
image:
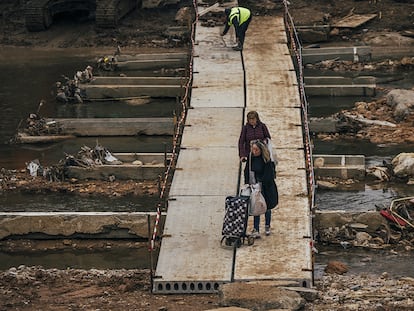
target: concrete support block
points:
(340, 166)
(115, 126)
(81, 224)
(355, 54)
(123, 172)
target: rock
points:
(323, 184)
(334, 32)
(407, 61)
(259, 296)
(336, 267)
(402, 101)
(318, 162)
(403, 165)
(184, 16)
(387, 39)
(408, 280)
(331, 219)
(312, 35)
(374, 220)
(323, 125)
(358, 226)
(362, 238)
(379, 172)
(309, 294)
(66, 242)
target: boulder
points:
(403, 165)
(336, 267)
(259, 296)
(402, 101)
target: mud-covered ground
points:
(39, 289)
(12, 180)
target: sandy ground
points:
(39, 289)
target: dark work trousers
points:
(243, 28)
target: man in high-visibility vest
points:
(240, 18)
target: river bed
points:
(26, 82)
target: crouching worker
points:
(240, 18)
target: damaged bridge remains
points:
(260, 78)
(123, 166)
(196, 205)
(339, 166)
(337, 85)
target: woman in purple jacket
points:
(253, 129)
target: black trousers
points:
(243, 28)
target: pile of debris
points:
(389, 65)
(86, 157)
(389, 227)
(38, 126)
(68, 91)
(388, 120)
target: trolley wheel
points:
(250, 240)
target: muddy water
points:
(103, 259)
(363, 196)
(366, 261)
(52, 202)
(29, 76)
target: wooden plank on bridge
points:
(354, 20)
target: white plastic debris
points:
(33, 166)
(109, 158)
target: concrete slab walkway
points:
(191, 258)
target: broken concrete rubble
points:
(384, 121)
(361, 229)
(72, 225)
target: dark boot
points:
(238, 47)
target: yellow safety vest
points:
(243, 13)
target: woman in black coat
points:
(263, 171)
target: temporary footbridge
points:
(226, 85)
